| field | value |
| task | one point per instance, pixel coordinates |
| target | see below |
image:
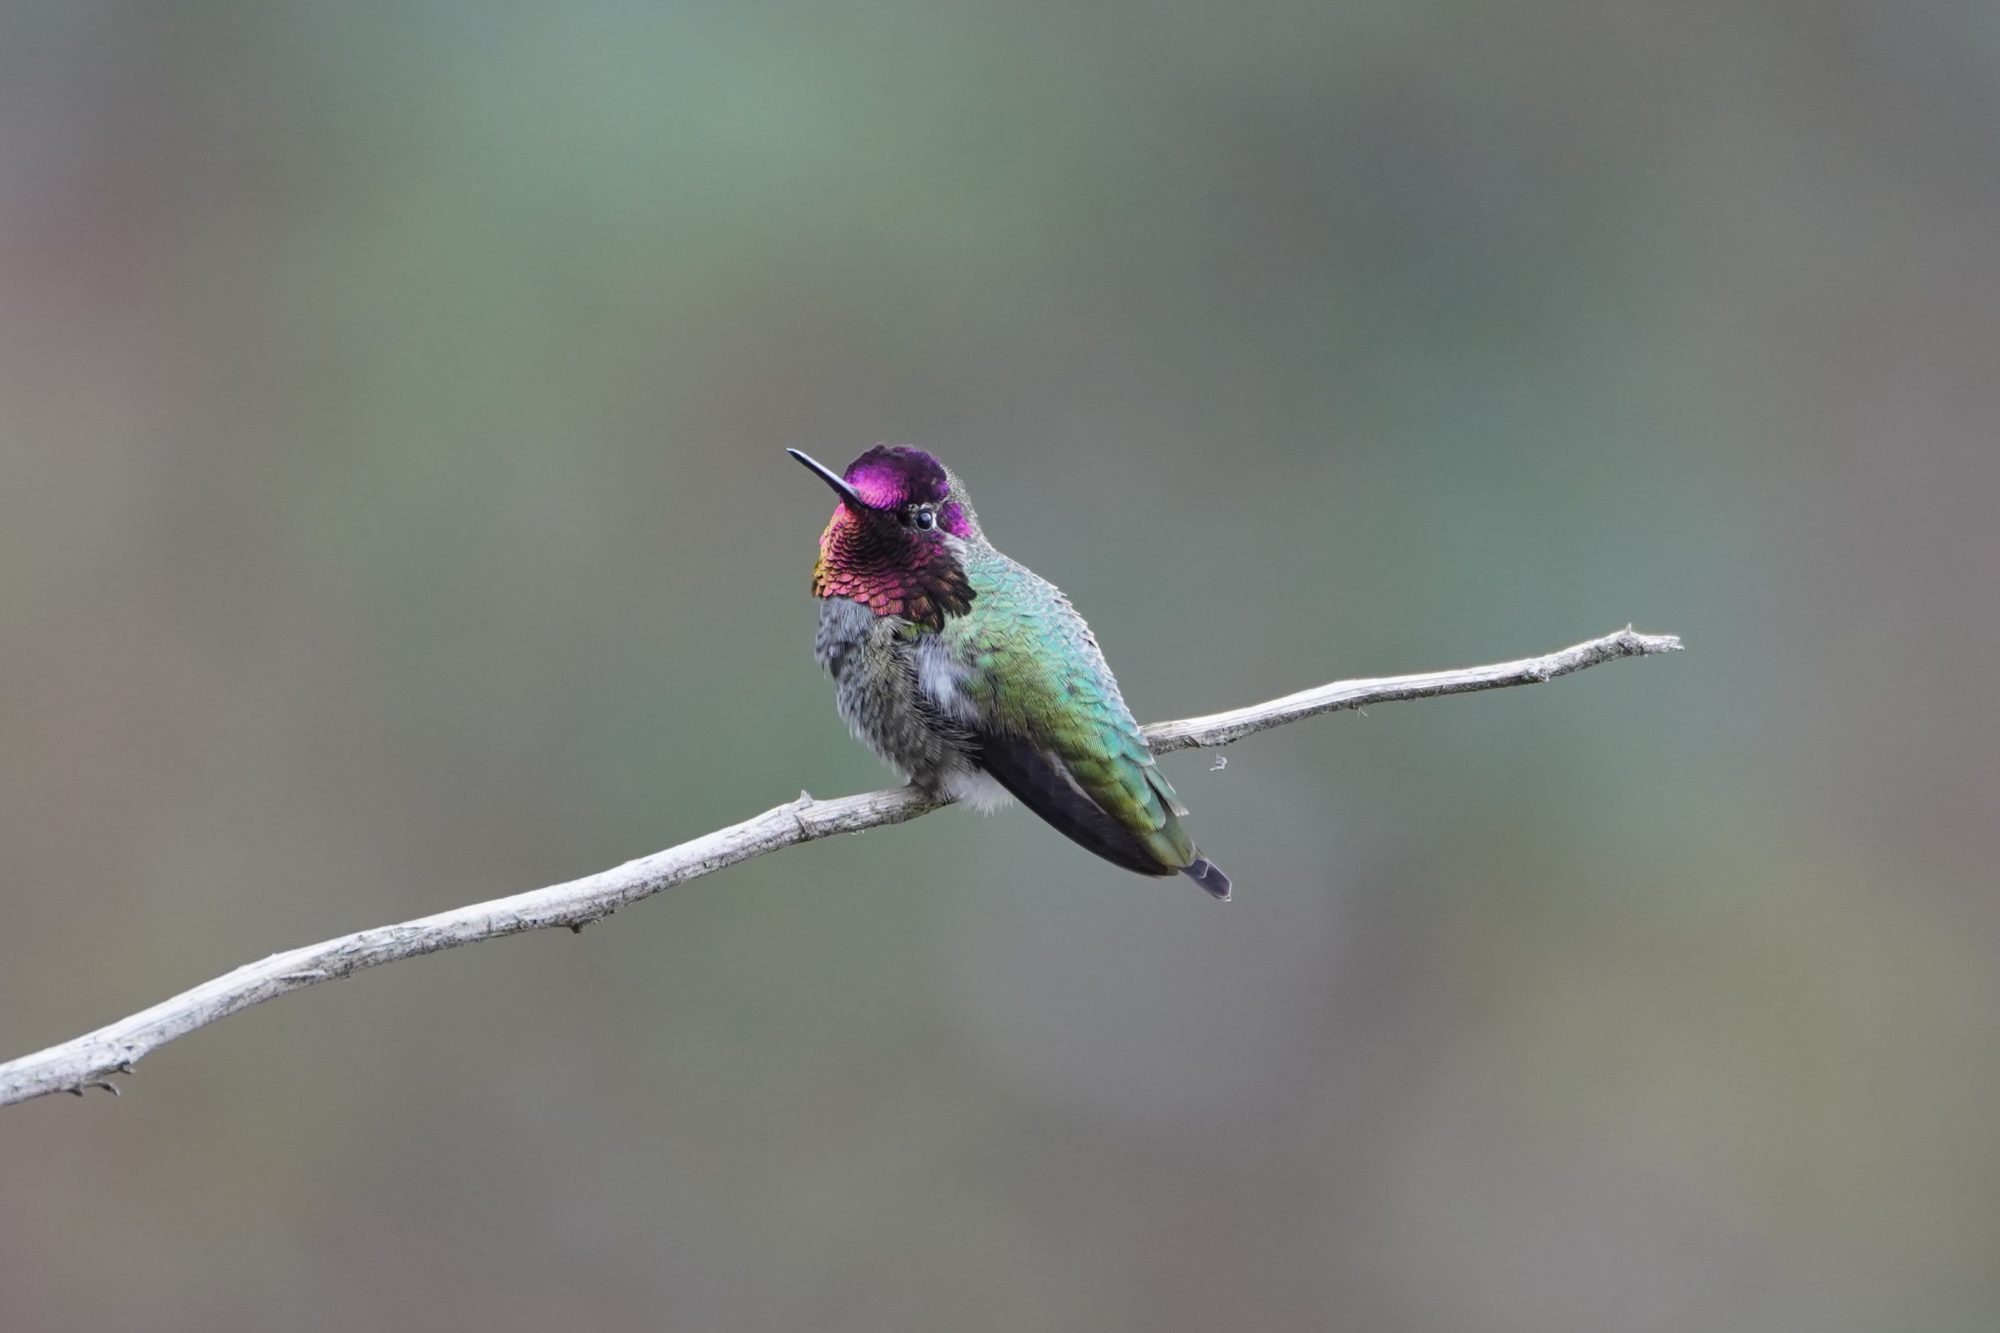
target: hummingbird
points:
(974, 677)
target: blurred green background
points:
(393, 514)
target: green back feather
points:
(1038, 674)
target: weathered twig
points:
(89, 1061)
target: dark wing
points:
(1039, 781)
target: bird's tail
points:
(1209, 875)
(1040, 781)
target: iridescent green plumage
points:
(965, 669)
(1035, 679)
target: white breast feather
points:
(942, 680)
(977, 790)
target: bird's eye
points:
(925, 517)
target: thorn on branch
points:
(798, 809)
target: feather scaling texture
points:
(1047, 719)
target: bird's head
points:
(897, 535)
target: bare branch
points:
(1225, 728)
(89, 1061)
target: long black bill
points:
(833, 479)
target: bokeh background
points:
(392, 515)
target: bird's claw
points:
(123, 1067)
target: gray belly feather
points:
(877, 663)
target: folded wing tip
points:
(1209, 875)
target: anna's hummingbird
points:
(974, 676)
